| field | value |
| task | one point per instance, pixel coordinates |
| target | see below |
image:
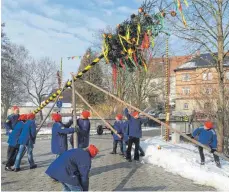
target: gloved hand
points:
(213, 150)
(76, 129)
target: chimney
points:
(197, 52)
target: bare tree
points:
(39, 80)
(208, 29)
(12, 57)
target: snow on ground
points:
(183, 159)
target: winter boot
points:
(142, 154)
(113, 152)
(33, 167)
(202, 163)
(218, 164)
(8, 169)
(16, 169)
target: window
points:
(227, 75)
(185, 105)
(207, 76)
(186, 77)
(208, 91)
(186, 90)
(206, 105)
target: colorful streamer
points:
(74, 57)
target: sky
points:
(62, 28)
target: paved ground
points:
(109, 172)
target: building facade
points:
(197, 85)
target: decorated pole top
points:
(124, 48)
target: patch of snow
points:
(183, 159)
(188, 65)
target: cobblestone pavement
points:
(109, 172)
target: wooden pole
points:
(108, 125)
(75, 136)
(167, 110)
(49, 111)
(158, 121)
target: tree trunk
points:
(5, 110)
(220, 103)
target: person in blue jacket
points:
(134, 132)
(118, 127)
(27, 141)
(207, 136)
(59, 142)
(72, 168)
(13, 142)
(125, 130)
(84, 130)
(11, 120)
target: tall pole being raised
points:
(75, 138)
(167, 85)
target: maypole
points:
(167, 88)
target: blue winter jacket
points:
(83, 134)
(118, 127)
(206, 137)
(28, 133)
(135, 125)
(125, 127)
(59, 142)
(10, 122)
(15, 134)
(72, 167)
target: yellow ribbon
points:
(138, 32)
(145, 66)
(186, 3)
(128, 33)
(122, 43)
(152, 42)
(105, 50)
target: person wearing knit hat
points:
(207, 136)
(27, 141)
(59, 142)
(134, 133)
(13, 142)
(84, 130)
(72, 168)
(116, 140)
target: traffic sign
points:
(59, 104)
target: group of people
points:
(71, 167)
(128, 131)
(21, 130)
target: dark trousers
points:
(141, 150)
(201, 151)
(11, 156)
(115, 143)
(136, 142)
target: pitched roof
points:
(201, 61)
(174, 62)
